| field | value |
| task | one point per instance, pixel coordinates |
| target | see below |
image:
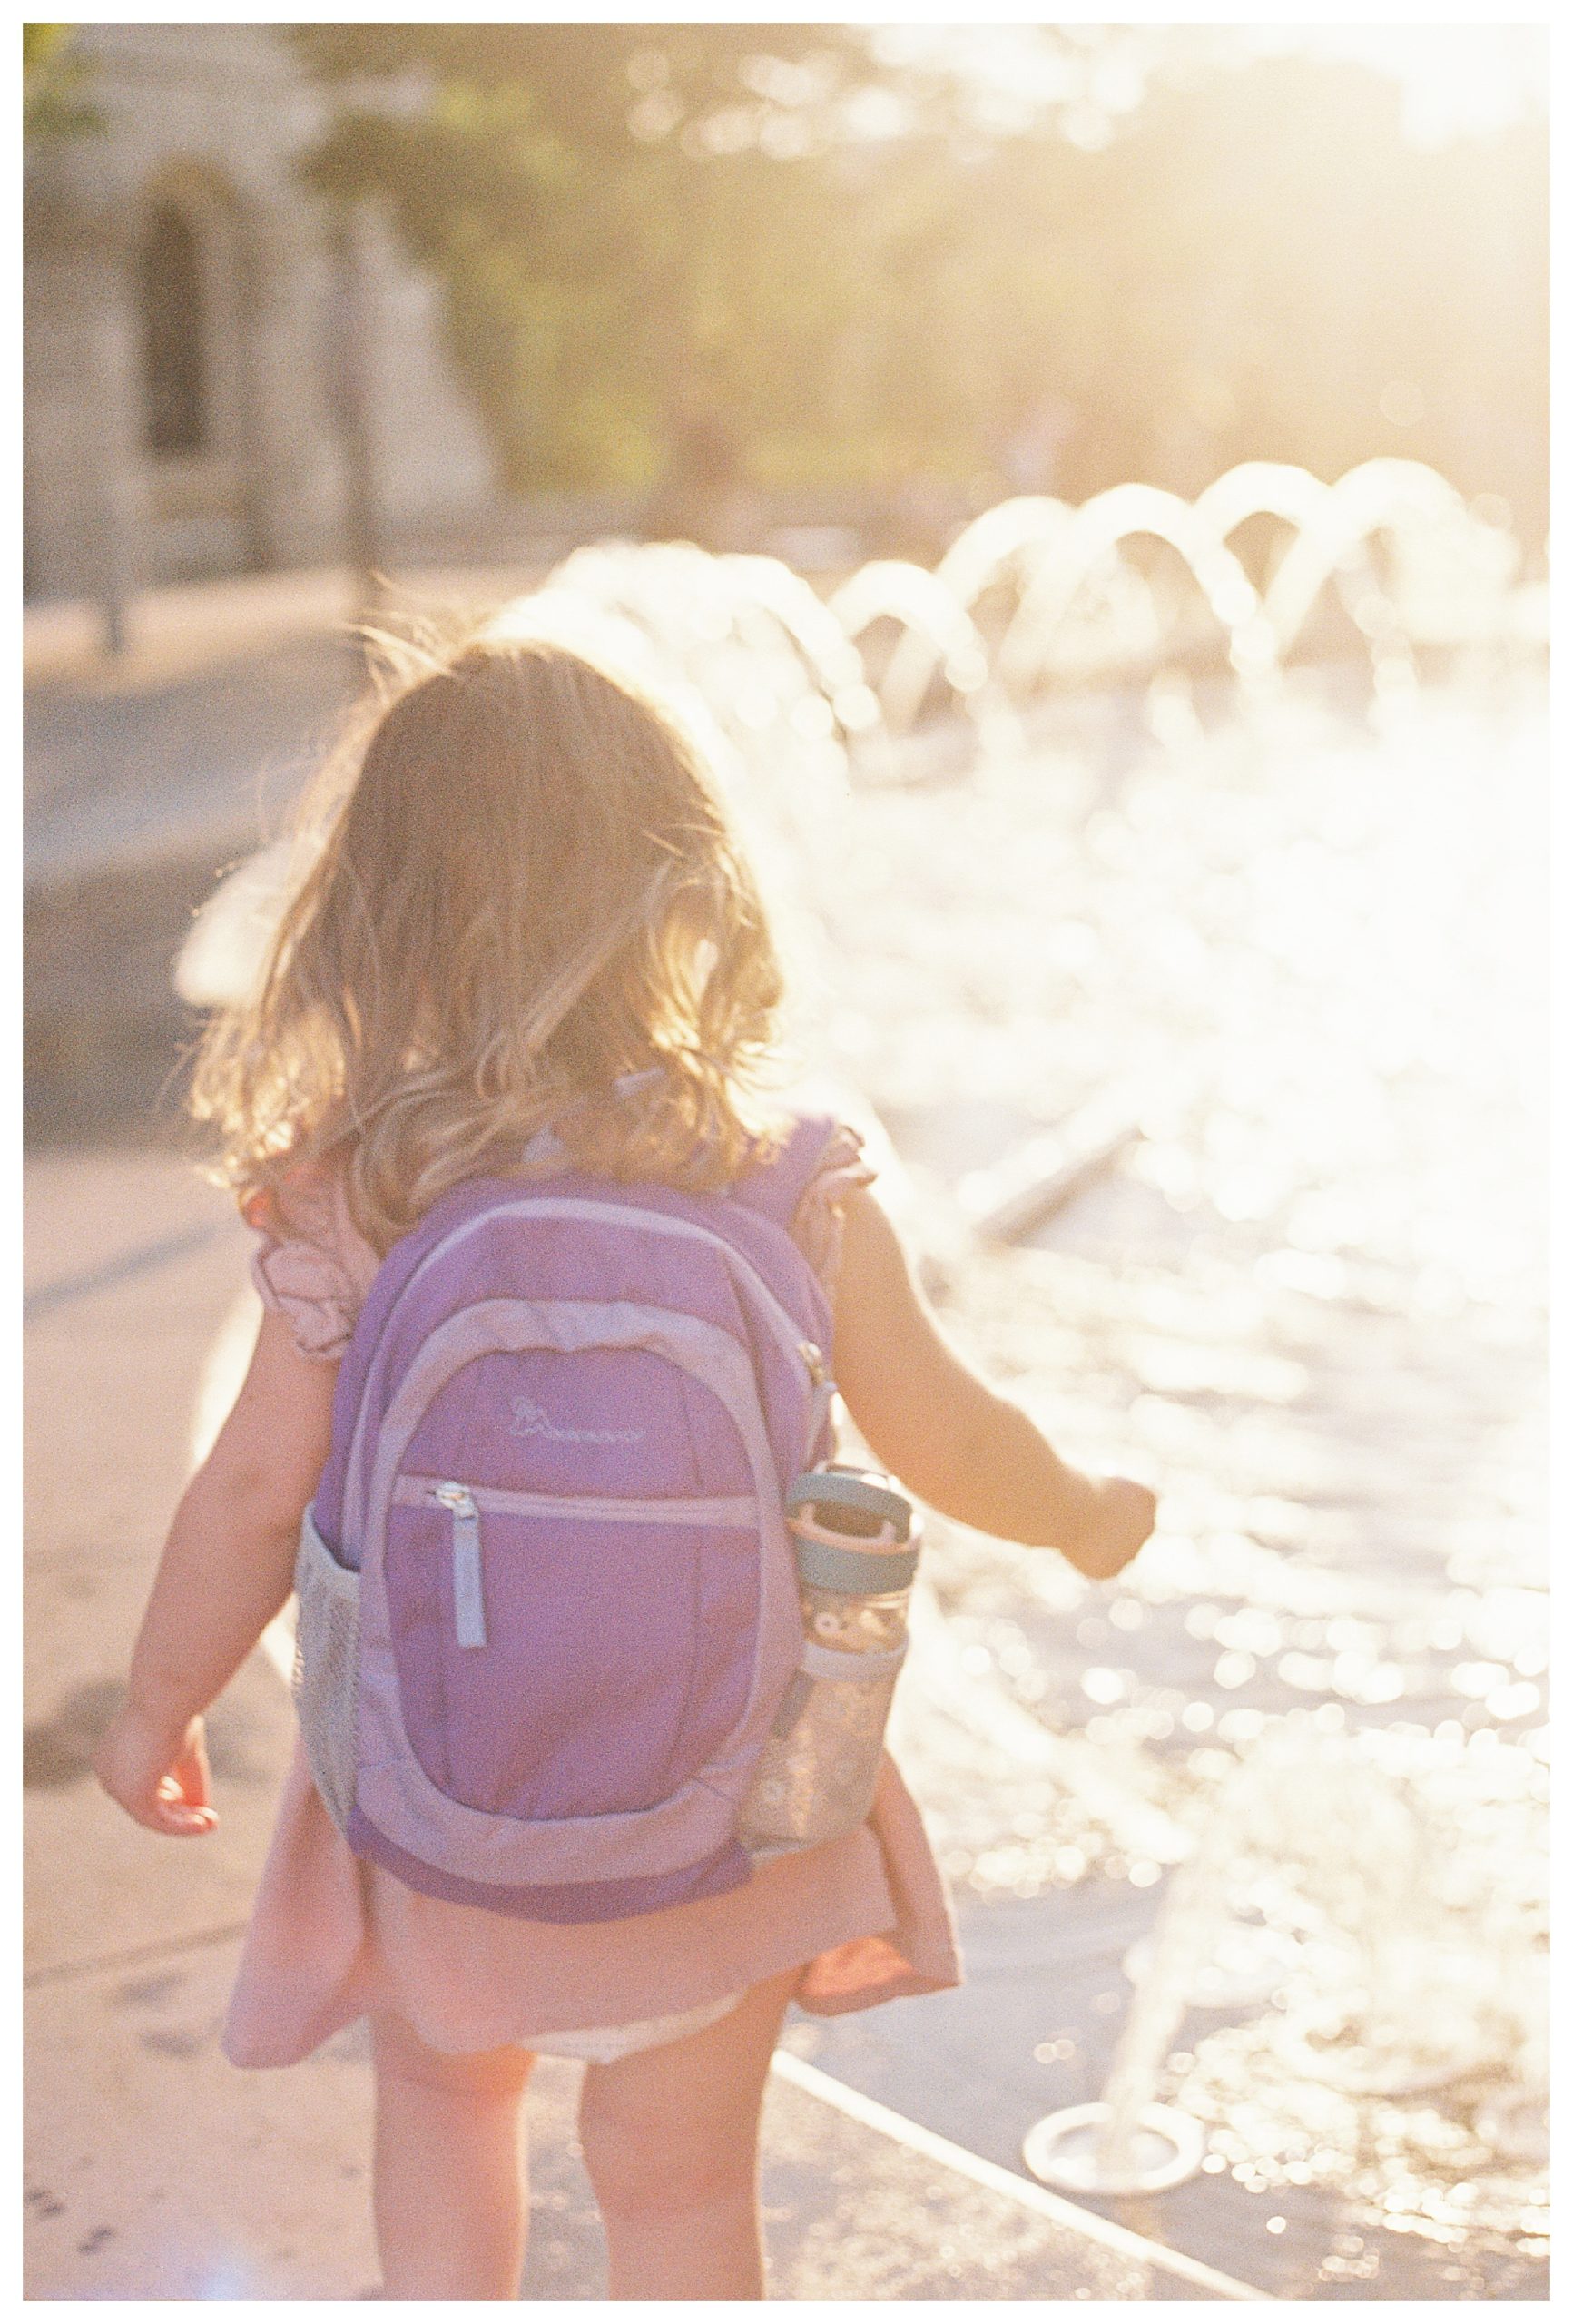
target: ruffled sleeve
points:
(818, 1221)
(311, 1265)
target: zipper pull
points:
(470, 1611)
(822, 1404)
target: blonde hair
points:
(527, 888)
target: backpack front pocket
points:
(549, 1647)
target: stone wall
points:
(206, 121)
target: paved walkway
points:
(154, 2170)
(192, 742)
(184, 629)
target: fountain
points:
(1428, 526)
(1361, 1893)
(1082, 609)
(760, 657)
(1246, 1963)
(932, 617)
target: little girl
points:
(530, 939)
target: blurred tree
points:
(874, 255)
(53, 80)
(557, 175)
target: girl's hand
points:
(160, 1780)
(1123, 1516)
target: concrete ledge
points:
(1039, 2202)
(183, 630)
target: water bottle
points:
(856, 1538)
(842, 1519)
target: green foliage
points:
(636, 221)
(53, 78)
(541, 170)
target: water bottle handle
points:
(852, 1489)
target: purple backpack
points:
(548, 1609)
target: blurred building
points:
(186, 330)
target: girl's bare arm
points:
(963, 1448)
(228, 1566)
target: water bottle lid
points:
(855, 1573)
(842, 1487)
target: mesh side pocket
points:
(816, 1782)
(327, 1655)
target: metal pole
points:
(113, 592)
(352, 322)
(115, 383)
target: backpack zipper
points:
(412, 1491)
(822, 1404)
(464, 1504)
(470, 1611)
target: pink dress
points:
(864, 1918)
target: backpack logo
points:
(529, 1420)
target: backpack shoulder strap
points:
(774, 1188)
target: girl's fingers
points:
(191, 1774)
(168, 1797)
(175, 1812)
(168, 1815)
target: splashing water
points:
(1358, 1860)
(774, 679)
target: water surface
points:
(1307, 947)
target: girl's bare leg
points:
(671, 2139)
(448, 2180)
